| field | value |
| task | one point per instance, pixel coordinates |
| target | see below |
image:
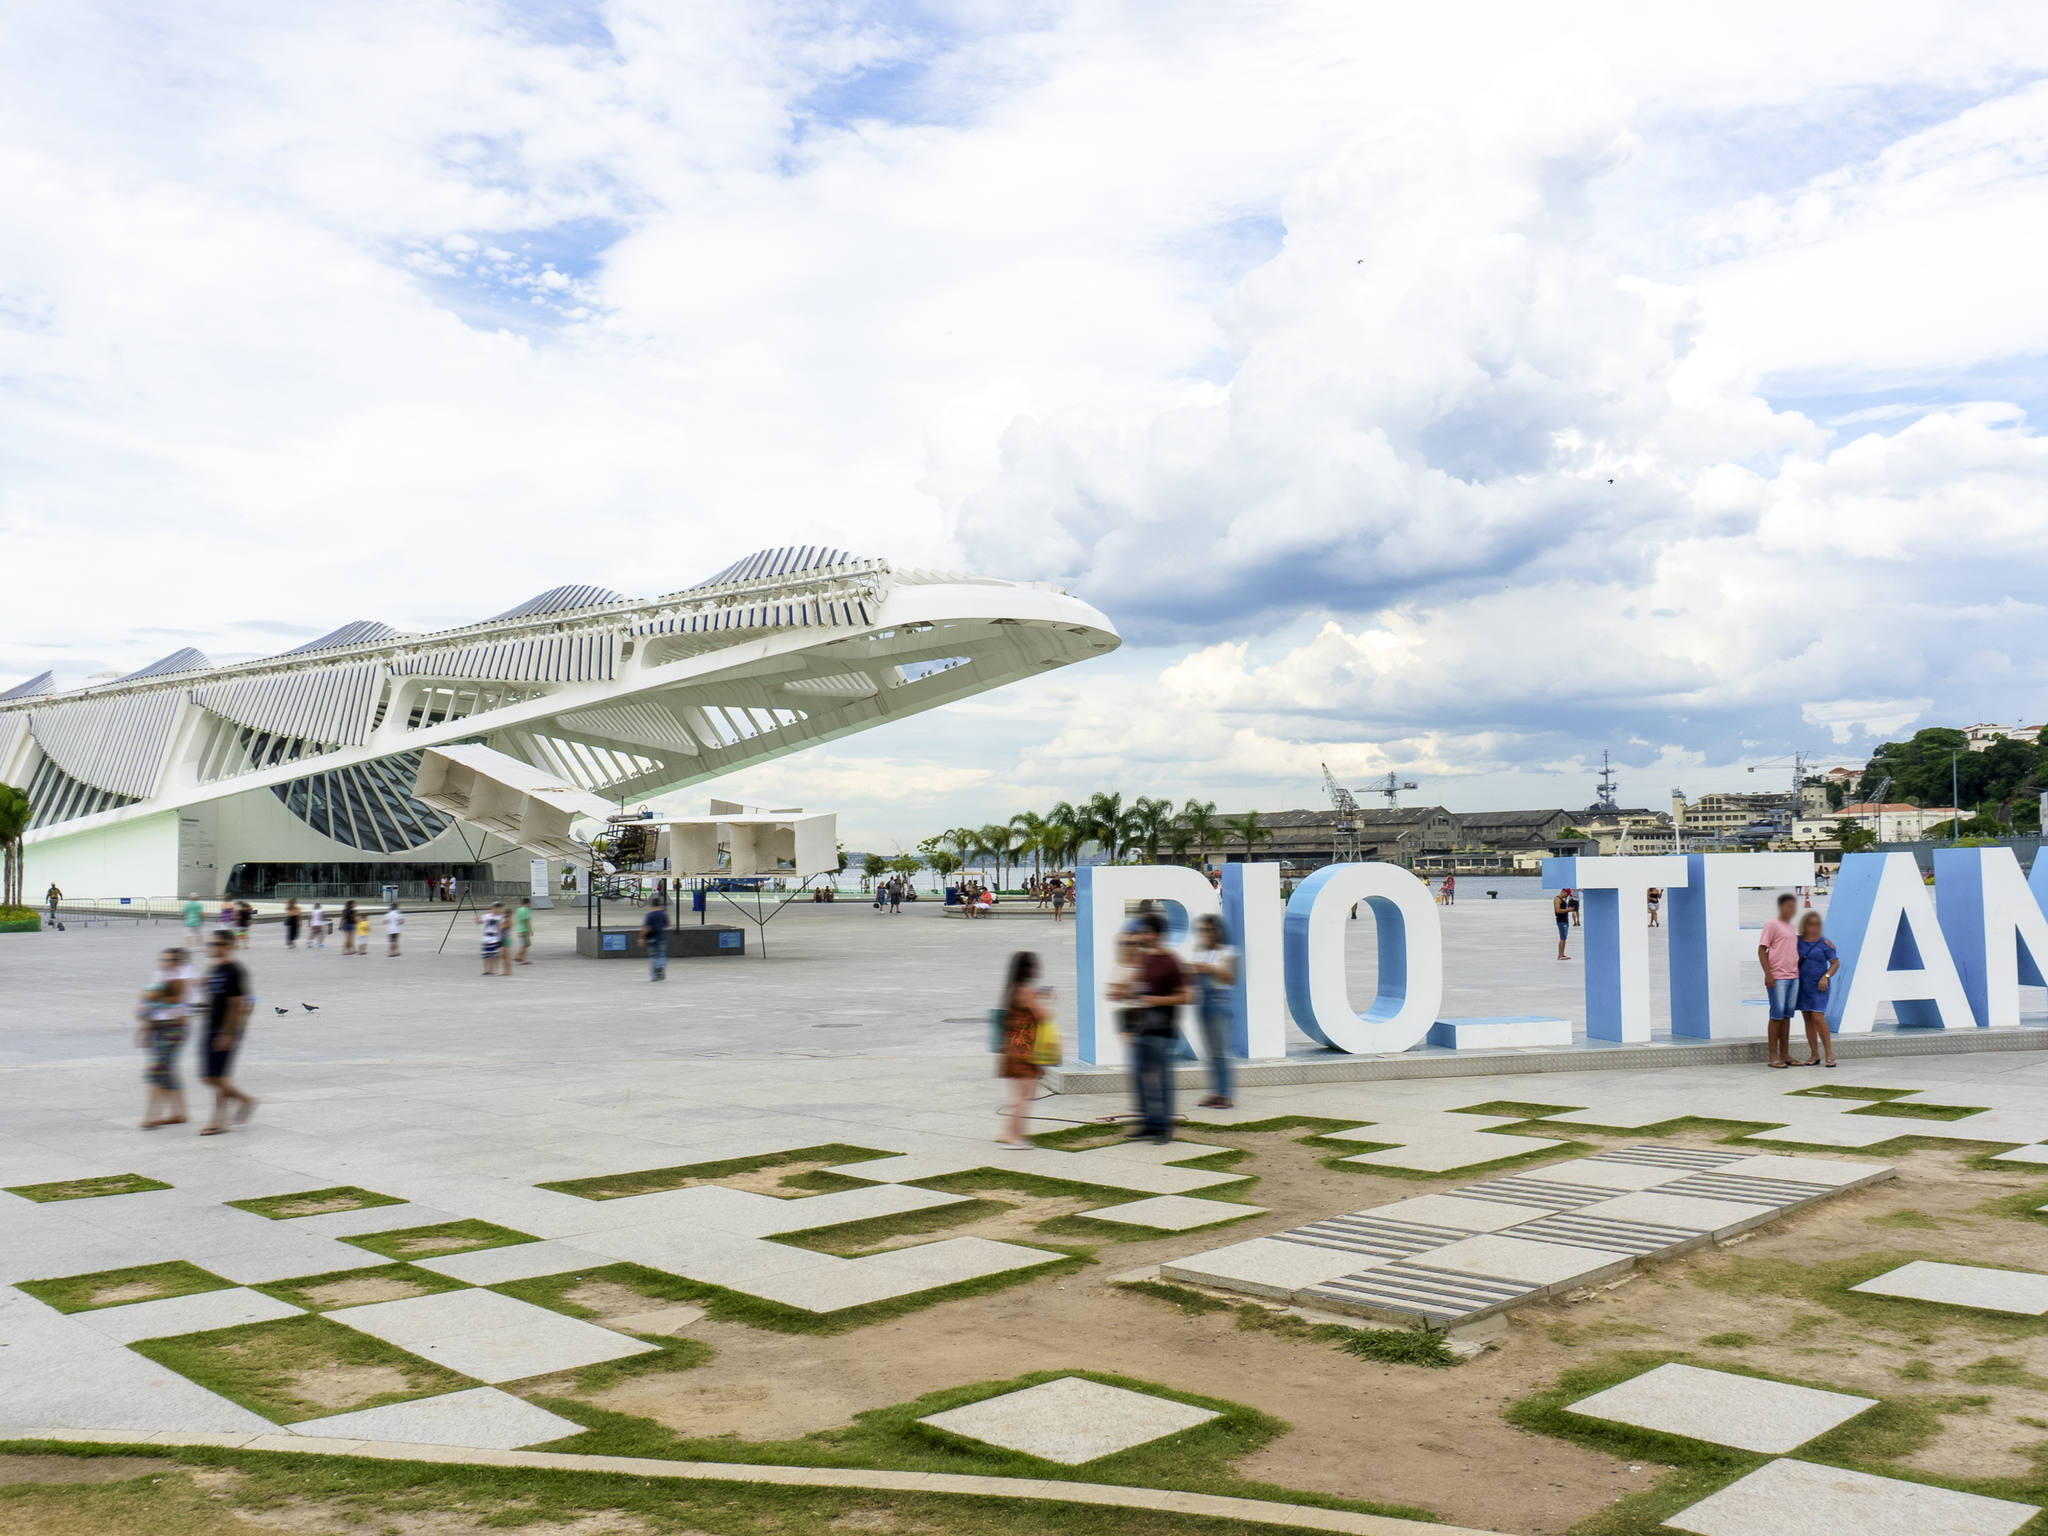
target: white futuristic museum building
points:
(299, 769)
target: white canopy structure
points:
(187, 775)
(755, 842)
(528, 808)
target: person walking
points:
(1560, 908)
(492, 920)
(1059, 898)
(162, 1021)
(245, 919)
(194, 914)
(1025, 1010)
(394, 925)
(348, 928)
(227, 1015)
(51, 897)
(316, 927)
(1153, 992)
(1778, 954)
(1656, 900)
(654, 934)
(293, 918)
(896, 897)
(522, 929)
(1818, 963)
(1214, 964)
(1450, 890)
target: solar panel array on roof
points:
(353, 633)
(34, 688)
(560, 600)
(789, 560)
(183, 660)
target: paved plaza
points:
(447, 1170)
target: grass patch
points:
(1729, 1340)
(1850, 1091)
(440, 1239)
(113, 1287)
(386, 1282)
(618, 1186)
(1192, 1303)
(973, 1181)
(1828, 1284)
(86, 1189)
(2024, 1205)
(1344, 1151)
(1516, 1109)
(300, 1367)
(1918, 1221)
(852, 1239)
(729, 1306)
(671, 1352)
(1913, 1109)
(315, 1202)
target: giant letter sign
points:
(1891, 949)
(1614, 898)
(1411, 958)
(1993, 924)
(1100, 892)
(1251, 921)
(1710, 947)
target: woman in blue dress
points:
(1818, 963)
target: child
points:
(161, 1031)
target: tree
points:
(872, 867)
(1034, 836)
(15, 814)
(1150, 820)
(942, 862)
(1107, 821)
(1199, 818)
(997, 839)
(1248, 830)
(842, 860)
(1851, 838)
(1068, 832)
(904, 864)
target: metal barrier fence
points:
(102, 909)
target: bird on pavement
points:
(309, 1007)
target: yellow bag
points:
(1045, 1045)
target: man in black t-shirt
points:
(226, 990)
(654, 933)
(1154, 989)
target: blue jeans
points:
(1216, 1041)
(657, 958)
(1152, 1081)
(1784, 994)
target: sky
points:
(1453, 391)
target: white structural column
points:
(1410, 989)
(1251, 921)
(1892, 949)
(1710, 947)
(1613, 900)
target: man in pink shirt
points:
(1778, 953)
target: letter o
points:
(1411, 961)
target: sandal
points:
(1778, 1065)
(213, 1130)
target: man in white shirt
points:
(394, 925)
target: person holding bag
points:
(1027, 1033)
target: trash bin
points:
(390, 894)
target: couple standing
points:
(1153, 987)
(1798, 963)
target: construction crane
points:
(1344, 848)
(1391, 786)
(1798, 760)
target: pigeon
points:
(309, 1007)
(280, 1010)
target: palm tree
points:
(997, 839)
(1068, 829)
(1199, 817)
(1150, 820)
(15, 813)
(1106, 820)
(1249, 831)
(1034, 836)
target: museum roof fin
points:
(34, 688)
(560, 600)
(185, 659)
(355, 632)
(789, 560)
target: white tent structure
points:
(747, 842)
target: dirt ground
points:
(1456, 1456)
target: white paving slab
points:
(1964, 1285)
(517, 1261)
(1265, 1266)
(1832, 1172)
(1686, 1213)
(1503, 1256)
(1799, 1498)
(1622, 1178)
(1455, 1214)
(1721, 1407)
(482, 1417)
(55, 1370)
(196, 1313)
(842, 1283)
(1174, 1213)
(489, 1336)
(372, 1218)
(1443, 1154)
(1071, 1420)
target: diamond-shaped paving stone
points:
(1070, 1420)
(185, 1314)
(1964, 1285)
(1798, 1498)
(517, 1261)
(1684, 1213)
(1717, 1406)
(488, 1336)
(1175, 1213)
(1265, 1266)
(482, 1418)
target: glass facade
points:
(367, 805)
